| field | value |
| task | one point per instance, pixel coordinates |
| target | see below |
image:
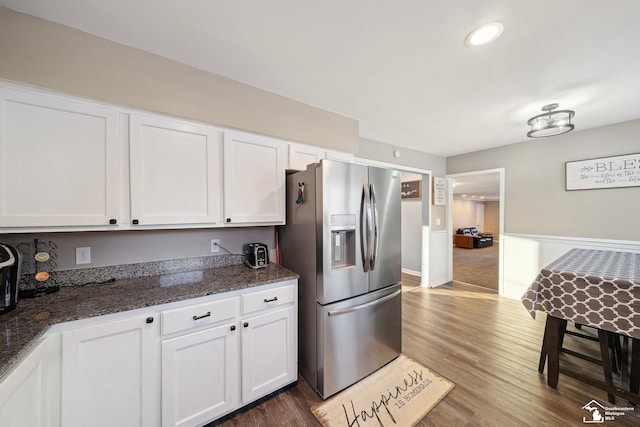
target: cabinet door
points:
(176, 172)
(302, 155)
(59, 161)
(23, 394)
(269, 353)
(254, 177)
(200, 376)
(110, 374)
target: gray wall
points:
(374, 150)
(48, 55)
(535, 198)
(43, 54)
(411, 229)
(130, 247)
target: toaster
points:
(255, 255)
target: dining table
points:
(595, 288)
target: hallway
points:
(477, 267)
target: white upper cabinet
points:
(301, 155)
(58, 161)
(254, 179)
(176, 172)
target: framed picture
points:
(439, 191)
(604, 172)
(411, 190)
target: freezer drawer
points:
(356, 337)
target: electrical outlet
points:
(83, 255)
(215, 245)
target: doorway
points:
(477, 203)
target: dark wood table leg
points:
(603, 337)
(543, 350)
(553, 341)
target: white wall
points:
(464, 214)
(525, 255)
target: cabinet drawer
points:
(256, 301)
(183, 318)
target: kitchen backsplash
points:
(83, 276)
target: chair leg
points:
(616, 350)
(634, 378)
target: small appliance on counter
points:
(255, 255)
(10, 260)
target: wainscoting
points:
(524, 255)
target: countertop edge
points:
(41, 330)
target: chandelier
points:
(550, 122)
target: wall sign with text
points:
(439, 191)
(605, 172)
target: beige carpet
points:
(398, 394)
(476, 266)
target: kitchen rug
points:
(400, 393)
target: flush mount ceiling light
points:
(551, 122)
(484, 34)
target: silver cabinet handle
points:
(271, 300)
(361, 306)
(203, 316)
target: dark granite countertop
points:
(21, 328)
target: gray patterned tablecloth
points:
(591, 287)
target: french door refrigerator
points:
(342, 236)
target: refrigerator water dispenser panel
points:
(343, 241)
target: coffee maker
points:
(10, 260)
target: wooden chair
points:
(614, 358)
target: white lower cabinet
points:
(221, 355)
(110, 374)
(181, 364)
(269, 353)
(199, 376)
(200, 368)
(23, 393)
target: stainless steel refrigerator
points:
(342, 236)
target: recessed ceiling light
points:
(484, 34)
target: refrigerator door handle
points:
(375, 234)
(361, 306)
(365, 220)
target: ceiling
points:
(400, 68)
(477, 187)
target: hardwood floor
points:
(488, 346)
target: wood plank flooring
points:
(488, 346)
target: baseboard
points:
(411, 272)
